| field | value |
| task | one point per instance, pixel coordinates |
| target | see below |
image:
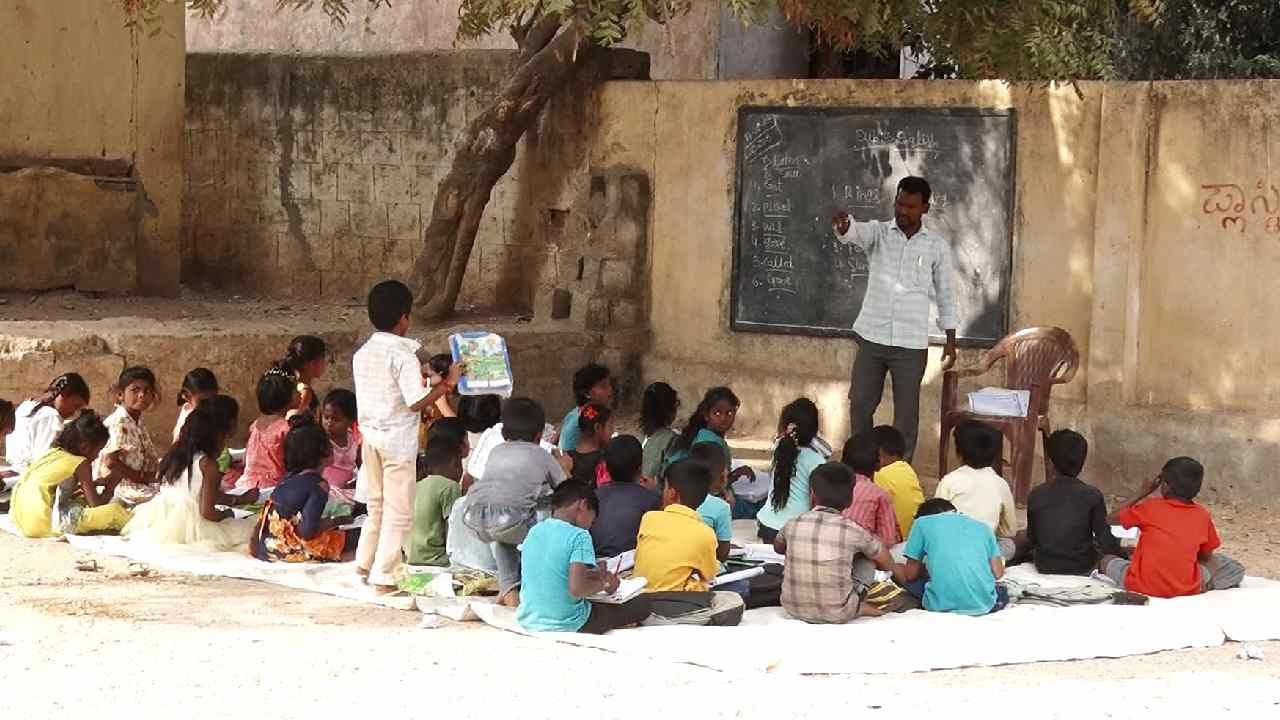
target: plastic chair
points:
(1035, 359)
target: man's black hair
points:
(1067, 450)
(978, 443)
(568, 493)
(691, 481)
(890, 441)
(862, 453)
(1183, 477)
(916, 186)
(832, 485)
(624, 456)
(523, 419)
(934, 506)
(389, 301)
(710, 454)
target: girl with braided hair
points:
(38, 421)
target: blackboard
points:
(797, 166)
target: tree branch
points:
(538, 36)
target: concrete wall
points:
(79, 90)
(315, 176)
(33, 353)
(704, 45)
(1118, 238)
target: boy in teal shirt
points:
(962, 559)
(559, 571)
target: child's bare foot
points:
(363, 574)
(511, 599)
(382, 590)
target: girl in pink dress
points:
(339, 419)
(264, 453)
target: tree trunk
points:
(548, 58)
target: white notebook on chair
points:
(1000, 402)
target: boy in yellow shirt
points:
(896, 477)
(675, 549)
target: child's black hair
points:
(658, 408)
(568, 493)
(978, 443)
(1183, 477)
(587, 377)
(934, 506)
(276, 389)
(698, 420)
(440, 364)
(861, 453)
(449, 427)
(711, 455)
(302, 350)
(205, 431)
(890, 441)
(691, 481)
(87, 429)
(133, 374)
(480, 412)
(306, 445)
(342, 400)
(199, 381)
(441, 453)
(65, 384)
(523, 419)
(832, 485)
(1067, 450)
(592, 417)
(797, 427)
(389, 301)
(624, 457)
(8, 414)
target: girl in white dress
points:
(37, 422)
(186, 510)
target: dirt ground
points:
(104, 644)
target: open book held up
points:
(627, 589)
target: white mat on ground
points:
(338, 579)
(769, 640)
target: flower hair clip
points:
(589, 413)
(790, 432)
(277, 371)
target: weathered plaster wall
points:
(315, 176)
(33, 353)
(695, 47)
(1169, 301)
(77, 85)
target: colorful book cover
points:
(488, 364)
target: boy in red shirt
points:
(1175, 554)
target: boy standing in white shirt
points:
(390, 397)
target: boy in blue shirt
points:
(962, 559)
(559, 572)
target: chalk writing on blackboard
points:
(765, 137)
(917, 141)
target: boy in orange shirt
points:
(1175, 554)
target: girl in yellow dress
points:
(57, 493)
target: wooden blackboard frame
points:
(843, 110)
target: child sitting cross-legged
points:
(338, 417)
(1067, 529)
(518, 478)
(675, 549)
(895, 476)
(186, 509)
(830, 559)
(440, 468)
(952, 562)
(292, 527)
(625, 500)
(559, 571)
(1177, 540)
(595, 427)
(870, 507)
(976, 489)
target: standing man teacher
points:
(908, 265)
